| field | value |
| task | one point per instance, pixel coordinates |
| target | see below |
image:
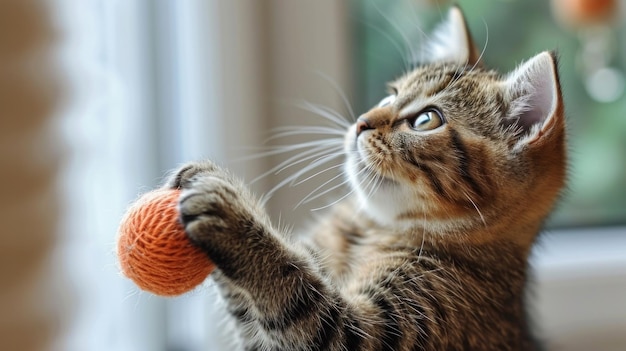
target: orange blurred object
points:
(582, 13)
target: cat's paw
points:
(212, 209)
(182, 177)
(218, 213)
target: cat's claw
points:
(185, 175)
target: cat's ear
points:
(452, 41)
(534, 95)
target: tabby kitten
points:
(453, 175)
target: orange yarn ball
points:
(153, 249)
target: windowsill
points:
(581, 284)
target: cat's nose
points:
(361, 125)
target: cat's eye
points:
(387, 101)
(427, 120)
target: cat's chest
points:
(379, 249)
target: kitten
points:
(453, 175)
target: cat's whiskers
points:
(447, 173)
(459, 69)
(282, 149)
(482, 218)
(458, 73)
(421, 250)
(424, 232)
(371, 184)
(377, 185)
(484, 47)
(394, 43)
(341, 92)
(315, 163)
(286, 131)
(325, 112)
(334, 187)
(312, 195)
(350, 192)
(334, 155)
(374, 181)
(324, 148)
(408, 62)
(293, 177)
(303, 156)
(320, 151)
(334, 202)
(423, 34)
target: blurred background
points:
(148, 85)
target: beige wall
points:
(272, 53)
(307, 38)
(30, 156)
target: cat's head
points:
(455, 145)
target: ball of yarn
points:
(153, 249)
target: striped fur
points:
(431, 251)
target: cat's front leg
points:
(222, 217)
(272, 286)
